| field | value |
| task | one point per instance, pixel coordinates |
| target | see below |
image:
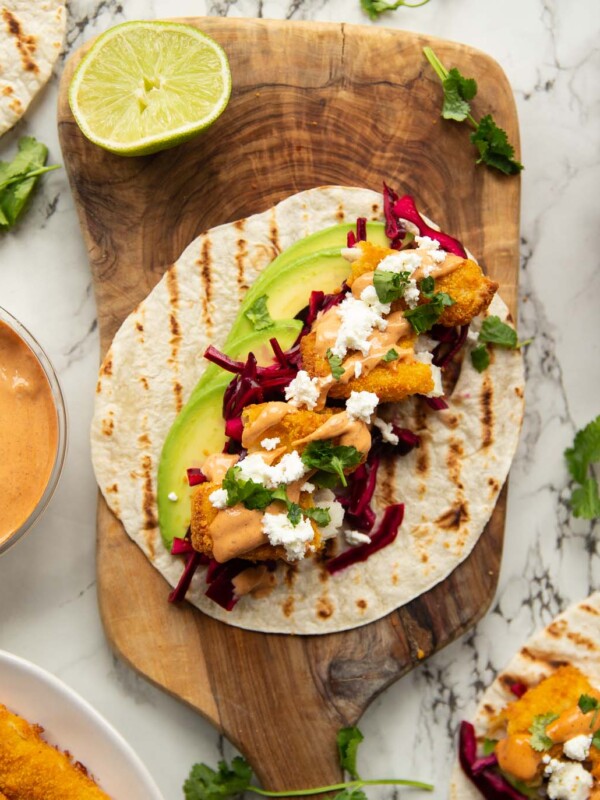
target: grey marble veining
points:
(47, 584)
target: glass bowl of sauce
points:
(33, 430)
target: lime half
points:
(145, 86)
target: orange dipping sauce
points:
(28, 431)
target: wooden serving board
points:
(312, 104)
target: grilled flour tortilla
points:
(449, 485)
(31, 36)
(573, 638)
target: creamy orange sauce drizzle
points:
(217, 464)
(28, 431)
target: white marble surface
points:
(48, 610)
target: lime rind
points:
(141, 88)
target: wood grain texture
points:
(312, 104)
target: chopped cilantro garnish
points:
(391, 355)
(327, 457)
(587, 703)
(205, 783)
(491, 141)
(246, 491)
(539, 740)
(489, 745)
(335, 362)
(480, 357)
(19, 177)
(596, 740)
(390, 286)
(258, 314)
(424, 317)
(585, 451)
(427, 286)
(376, 7)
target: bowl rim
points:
(61, 418)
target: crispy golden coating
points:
(372, 254)
(31, 769)
(292, 427)
(471, 291)
(391, 382)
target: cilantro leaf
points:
(258, 314)
(539, 740)
(348, 740)
(391, 355)
(390, 286)
(246, 491)
(424, 317)
(294, 512)
(585, 502)
(480, 358)
(494, 148)
(494, 331)
(458, 91)
(376, 7)
(587, 703)
(335, 362)
(19, 177)
(327, 457)
(427, 286)
(489, 745)
(585, 450)
(204, 783)
(319, 515)
(596, 740)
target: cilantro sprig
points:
(424, 317)
(253, 495)
(258, 314)
(494, 331)
(585, 502)
(335, 362)
(491, 141)
(205, 783)
(376, 7)
(390, 286)
(391, 355)
(327, 457)
(540, 741)
(19, 177)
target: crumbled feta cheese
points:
(358, 367)
(436, 374)
(218, 498)
(172, 497)
(255, 469)
(369, 296)
(303, 390)
(270, 444)
(424, 344)
(294, 538)
(326, 499)
(412, 294)
(288, 470)
(404, 261)
(578, 748)
(387, 430)
(432, 248)
(355, 538)
(351, 253)
(307, 487)
(361, 405)
(472, 337)
(568, 780)
(358, 321)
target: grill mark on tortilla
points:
(362, 604)
(487, 413)
(375, 208)
(148, 515)
(340, 214)
(519, 392)
(26, 45)
(274, 233)
(582, 641)
(454, 517)
(175, 340)
(324, 607)
(8, 90)
(553, 663)
(99, 387)
(420, 425)
(590, 609)
(453, 461)
(386, 481)
(288, 607)
(290, 575)
(144, 382)
(107, 365)
(240, 257)
(108, 425)
(205, 264)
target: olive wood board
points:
(312, 104)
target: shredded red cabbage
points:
(195, 476)
(219, 578)
(394, 228)
(319, 301)
(435, 403)
(356, 497)
(192, 563)
(361, 229)
(442, 354)
(181, 547)
(407, 440)
(405, 208)
(350, 239)
(490, 783)
(234, 428)
(383, 536)
(518, 689)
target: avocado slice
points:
(333, 238)
(199, 429)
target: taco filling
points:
(280, 490)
